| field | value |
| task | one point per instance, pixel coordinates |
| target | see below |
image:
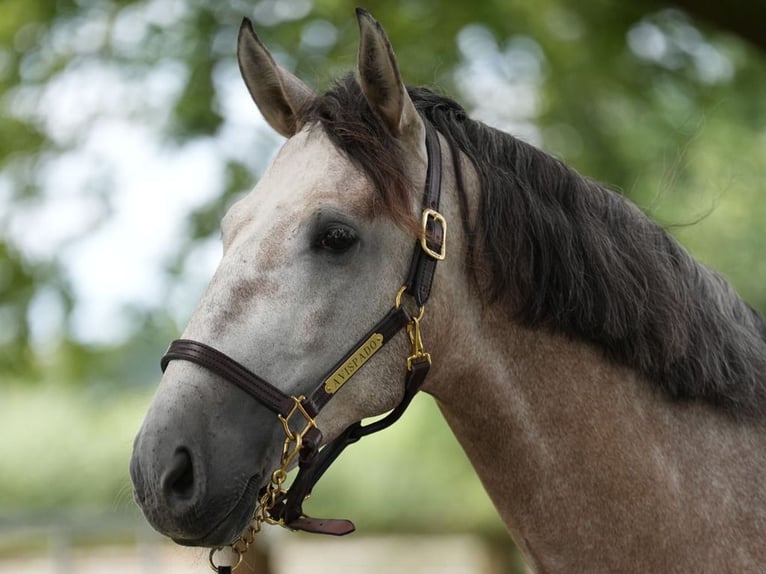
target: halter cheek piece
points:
(278, 505)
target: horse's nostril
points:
(178, 479)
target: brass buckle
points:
(432, 214)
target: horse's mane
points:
(568, 255)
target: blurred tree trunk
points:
(744, 18)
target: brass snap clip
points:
(416, 339)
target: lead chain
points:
(274, 490)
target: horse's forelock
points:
(345, 116)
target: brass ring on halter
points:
(398, 302)
(213, 565)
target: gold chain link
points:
(274, 489)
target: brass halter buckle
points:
(431, 215)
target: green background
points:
(664, 106)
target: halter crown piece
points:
(284, 506)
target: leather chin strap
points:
(313, 461)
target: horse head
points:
(313, 256)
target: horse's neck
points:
(592, 468)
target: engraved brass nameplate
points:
(354, 363)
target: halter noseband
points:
(276, 504)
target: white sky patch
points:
(183, 295)
(122, 262)
(114, 209)
(501, 86)
(42, 226)
(245, 136)
(670, 39)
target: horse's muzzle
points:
(172, 490)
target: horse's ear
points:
(277, 93)
(378, 76)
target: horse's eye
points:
(337, 238)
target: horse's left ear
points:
(277, 93)
(378, 76)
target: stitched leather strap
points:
(394, 321)
(423, 265)
(213, 359)
(312, 467)
(264, 392)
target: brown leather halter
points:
(285, 507)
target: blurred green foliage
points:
(666, 109)
(635, 94)
(65, 449)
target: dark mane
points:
(568, 255)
